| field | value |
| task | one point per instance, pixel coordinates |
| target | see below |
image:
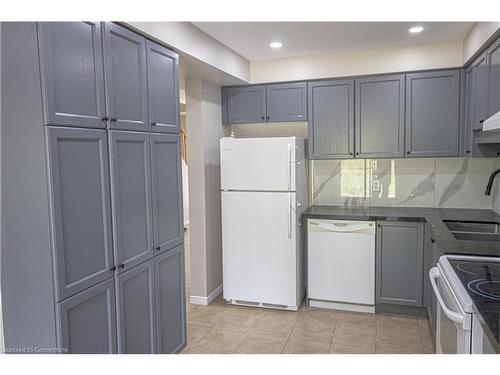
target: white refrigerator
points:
(264, 191)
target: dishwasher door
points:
(341, 264)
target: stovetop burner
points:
(485, 288)
(480, 268)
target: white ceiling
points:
(251, 39)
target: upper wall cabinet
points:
(163, 88)
(380, 105)
(331, 119)
(493, 58)
(71, 67)
(281, 102)
(247, 104)
(479, 109)
(126, 83)
(432, 113)
(287, 102)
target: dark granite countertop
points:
(445, 240)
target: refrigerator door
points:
(258, 242)
(258, 164)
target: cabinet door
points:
(479, 93)
(170, 294)
(136, 310)
(163, 88)
(247, 104)
(432, 113)
(380, 119)
(131, 198)
(399, 263)
(166, 177)
(81, 208)
(126, 84)
(331, 119)
(225, 105)
(87, 323)
(72, 73)
(469, 111)
(286, 102)
(493, 58)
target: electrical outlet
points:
(376, 185)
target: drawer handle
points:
(113, 119)
(158, 248)
(105, 118)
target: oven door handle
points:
(453, 315)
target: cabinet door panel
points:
(72, 73)
(126, 83)
(131, 197)
(136, 310)
(399, 263)
(81, 208)
(171, 309)
(331, 119)
(493, 56)
(432, 113)
(87, 323)
(286, 102)
(469, 111)
(163, 88)
(380, 116)
(247, 104)
(480, 89)
(166, 179)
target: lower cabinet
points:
(136, 309)
(399, 263)
(87, 320)
(170, 300)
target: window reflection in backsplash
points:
(423, 182)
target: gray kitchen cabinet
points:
(126, 82)
(163, 88)
(479, 110)
(166, 179)
(247, 104)
(432, 113)
(399, 263)
(78, 160)
(170, 300)
(380, 121)
(136, 310)
(468, 135)
(87, 323)
(225, 105)
(493, 61)
(331, 119)
(131, 198)
(71, 67)
(286, 102)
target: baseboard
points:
(197, 300)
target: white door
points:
(258, 241)
(258, 164)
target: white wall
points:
(204, 130)
(477, 36)
(188, 39)
(356, 62)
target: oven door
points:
(453, 325)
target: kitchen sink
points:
(474, 230)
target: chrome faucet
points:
(490, 181)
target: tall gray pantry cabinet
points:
(92, 227)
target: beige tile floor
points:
(222, 328)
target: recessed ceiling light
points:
(416, 29)
(275, 44)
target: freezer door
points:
(258, 164)
(258, 241)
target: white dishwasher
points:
(341, 264)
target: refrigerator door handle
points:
(290, 219)
(289, 167)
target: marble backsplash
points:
(426, 182)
